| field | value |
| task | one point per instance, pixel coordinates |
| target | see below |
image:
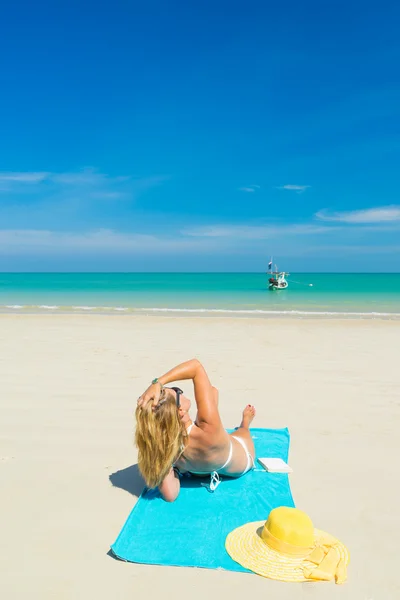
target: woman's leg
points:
(243, 431)
(243, 446)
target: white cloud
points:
(83, 177)
(256, 231)
(36, 241)
(294, 188)
(351, 250)
(87, 177)
(57, 197)
(380, 214)
(250, 188)
(21, 177)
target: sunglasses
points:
(178, 392)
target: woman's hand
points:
(152, 394)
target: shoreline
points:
(107, 311)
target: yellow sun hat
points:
(288, 548)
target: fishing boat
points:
(278, 280)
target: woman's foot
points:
(248, 415)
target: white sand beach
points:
(68, 388)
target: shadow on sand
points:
(128, 479)
(131, 481)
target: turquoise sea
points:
(208, 293)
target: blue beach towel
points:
(191, 531)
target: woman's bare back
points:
(212, 449)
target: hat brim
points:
(246, 547)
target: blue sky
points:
(204, 136)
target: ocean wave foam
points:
(222, 311)
(269, 312)
(48, 306)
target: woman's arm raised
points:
(186, 370)
(207, 410)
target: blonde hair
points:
(160, 437)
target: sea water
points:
(207, 293)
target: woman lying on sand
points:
(170, 443)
